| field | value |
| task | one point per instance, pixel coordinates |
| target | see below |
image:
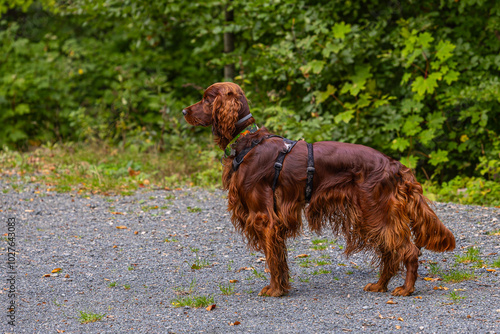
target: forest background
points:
(91, 91)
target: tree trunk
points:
(229, 45)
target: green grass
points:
(305, 280)
(472, 255)
(193, 301)
(186, 290)
(256, 274)
(171, 240)
(227, 289)
(193, 209)
(456, 276)
(112, 284)
(87, 317)
(321, 271)
(435, 269)
(455, 297)
(100, 168)
(494, 232)
(126, 286)
(496, 263)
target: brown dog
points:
(371, 199)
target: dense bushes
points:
(418, 80)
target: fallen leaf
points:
(66, 276)
(56, 270)
(400, 319)
(418, 297)
(391, 302)
(132, 172)
(233, 281)
(136, 232)
(117, 213)
(261, 259)
(491, 270)
(458, 289)
(236, 323)
(121, 227)
(210, 307)
(266, 270)
(115, 246)
(46, 275)
(302, 255)
(440, 288)
(244, 268)
(398, 327)
(29, 210)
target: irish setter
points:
(371, 199)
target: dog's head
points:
(223, 104)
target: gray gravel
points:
(79, 235)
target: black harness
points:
(278, 165)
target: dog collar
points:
(229, 150)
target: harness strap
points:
(237, 161)
(278, 165)
(310, 171)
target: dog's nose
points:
(184, 112)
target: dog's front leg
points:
(276, 257)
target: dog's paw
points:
(375, 287)
(268, 291)
(401, 291)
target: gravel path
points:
(133, 274)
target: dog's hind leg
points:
(276, 258)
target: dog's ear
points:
(225, 111)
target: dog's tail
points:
(428, 230)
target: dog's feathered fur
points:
(371, 199)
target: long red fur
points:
(371, 199)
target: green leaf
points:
(412, 125)
(315, 66)
(451, 76)
(435, 120)
(400, 144)
(410, 161)
(331, 47)
(345, 116)
(438, 157)
(341, 29)
(425, 39)
(322, 96)
(444, 50)
(423, 86)
(409, 105)
(426, 136)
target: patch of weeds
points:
(305, 263)
(256, 274)
(200, 264)
(130, 268)
(322, 262)
(193, 209)
(193, 301)
(112, 284)
(126, 286)
(248, 291)
(88, 317)
(495, 232)
(147, 208)
(165, 207)
(319, 241)
(180, 291)
(349, 272)
(5, 191)
(325, 256)
(169, 197)
(229, 268)
(434, 268)
(319, 247)
(152, 197)
(321, 271)
(227, 289)
(194, 250)
(455, 297)
(456, 276)
(472, 255)
(496, 263)
(170, 240)
(304, 280)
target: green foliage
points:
(419, 85)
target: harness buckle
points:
(311, 170)
(278, 165)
